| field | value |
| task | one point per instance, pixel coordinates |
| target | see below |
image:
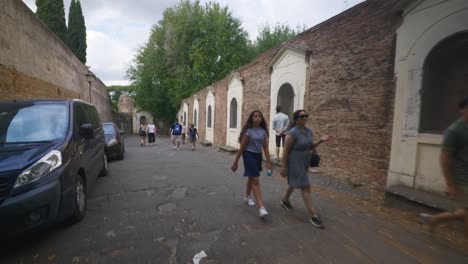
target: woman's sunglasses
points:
(303, 116)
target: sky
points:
(117, 28)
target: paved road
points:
(165, 206)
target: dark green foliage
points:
(77, 31)
(189, 49)
(269, 37)
(52, 13)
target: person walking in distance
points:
(297, 153)
(151, 134)
(158, 131)
(280, 124)
(454, 161)
(184, 132)
(253, 138)
(193, 135)
(176, 131)
(142, 133)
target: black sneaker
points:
(316, 221)
(287, 205)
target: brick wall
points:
(351, 89)
(257, 85)
(220, 112)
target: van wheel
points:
(80, 200)
(105, 168)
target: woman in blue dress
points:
(253, 138)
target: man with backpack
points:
(176, 132)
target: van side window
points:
(96, 119)
(80, 118)
(91, 116)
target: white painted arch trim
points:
(185, 109)
(413, 154)
(289, 68)
(210, 101)
(195, 114)
(416, 55)
(235, 90)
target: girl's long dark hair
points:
(295, 118)
(249, 124)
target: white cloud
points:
(107, 55)
(117, 28)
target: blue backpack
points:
(177, 129)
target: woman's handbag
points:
(314, 160)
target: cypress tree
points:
(77, 31)
(52, 13)
(73, 28)
(82, 33)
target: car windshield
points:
(33, 122)
(108, 129)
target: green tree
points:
(77, 31)
(269, 36)
(189, 49)
(52, 14)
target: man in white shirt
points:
(280, 124)
(151, 130)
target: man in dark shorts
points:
(280, 124)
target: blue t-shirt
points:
(257, 138)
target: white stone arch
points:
(195, 113)
(235, 90)
(416, 55)
(138, 114)
(289, 66)
(185, 113)
(414, 155)
(210, 102)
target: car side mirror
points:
(87, 131)
(122, 132)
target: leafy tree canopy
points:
(269, 36)
(52, 14)
(193, 46)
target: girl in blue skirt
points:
(253, 138)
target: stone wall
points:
(35, 63)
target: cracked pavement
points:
(164, 206)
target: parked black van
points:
(51, 152)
